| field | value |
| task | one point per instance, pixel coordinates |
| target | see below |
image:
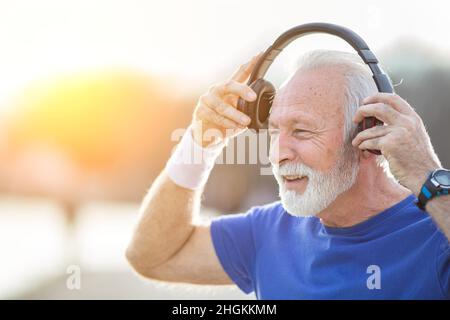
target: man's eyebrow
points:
(293, 120)
(300, 119)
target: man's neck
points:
(372, 193)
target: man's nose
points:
(281, 150)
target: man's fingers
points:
(371, 144)
(226, 110)
(393, 100)
(244, 71)
(374, 132)
(380, 111)
(233, 87)
(207, 114)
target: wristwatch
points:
(437, 184)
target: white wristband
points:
(190, 164)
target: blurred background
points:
(90, 92)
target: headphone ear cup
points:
(258, 110)
(368, 123)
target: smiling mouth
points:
(293, 178)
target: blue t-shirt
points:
(397, 254)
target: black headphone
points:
(259, 109)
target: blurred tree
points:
(423, 77)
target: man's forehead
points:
(316, 91)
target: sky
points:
(194, 41)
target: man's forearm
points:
(439, 209)
(165, 223)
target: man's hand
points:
(403, 139)
(217, 109)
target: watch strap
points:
(429, 191)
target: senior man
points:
(344, 228)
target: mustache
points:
(293, 169)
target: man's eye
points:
(301, 132)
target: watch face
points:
(443, 177)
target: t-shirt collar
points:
(372, 221)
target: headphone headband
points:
(381, 80)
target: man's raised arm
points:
(167, 244)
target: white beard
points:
(322, 188)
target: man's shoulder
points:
(271, 207)
(273, 210)
(270, 215)
(266, 212)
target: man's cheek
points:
(312, 155)
(320, 153)
(274, 150)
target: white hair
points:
(359, 85)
